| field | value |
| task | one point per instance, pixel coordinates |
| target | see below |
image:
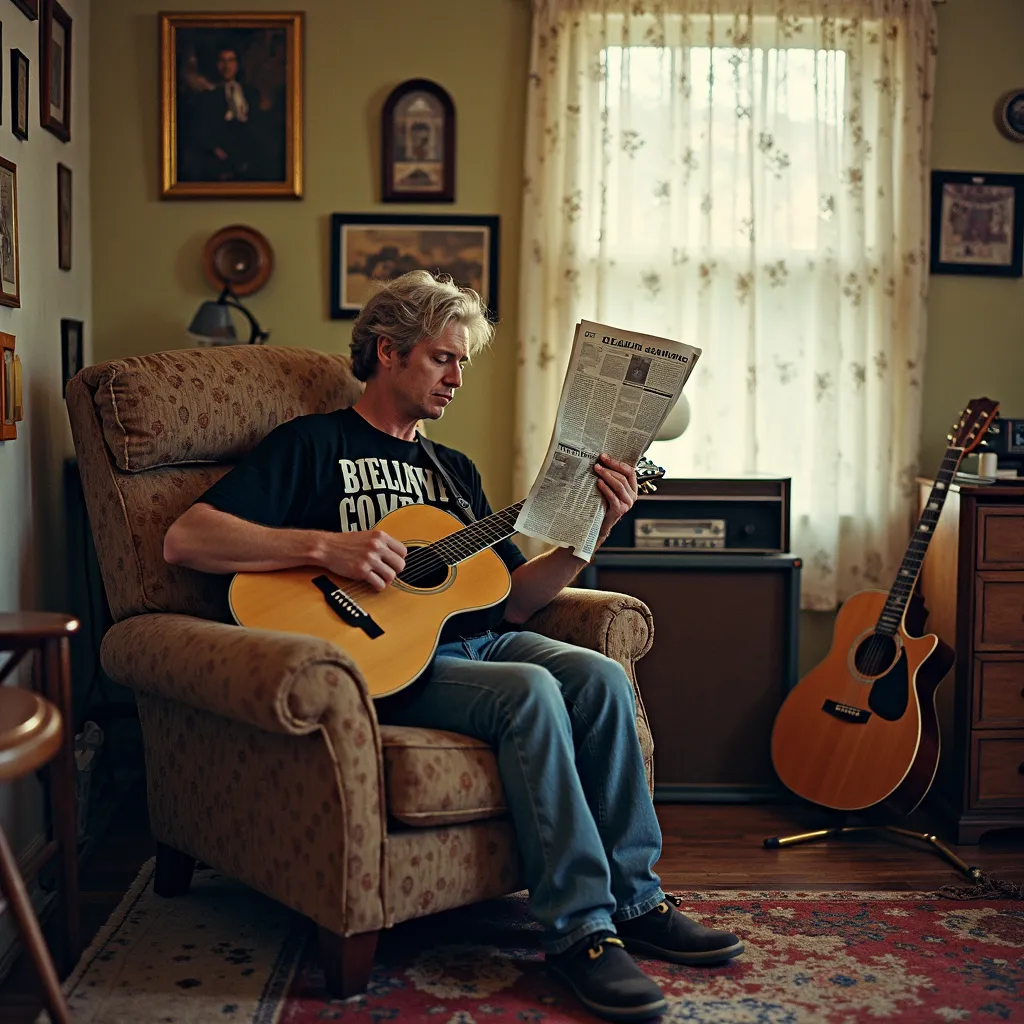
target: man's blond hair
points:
(416, 306)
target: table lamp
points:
(213, 325)
(676, 421)
(237, 260)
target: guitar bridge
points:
(845, 712)
(346, 609)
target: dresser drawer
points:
(998, 769)
(999, 610)
(998, 691)
(1000, 538)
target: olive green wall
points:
(976, 324)
(147, 277)
(147, 252)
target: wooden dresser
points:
(972, 582)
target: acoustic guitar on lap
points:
(860, 731)
(392, 634)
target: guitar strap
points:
(464, 506)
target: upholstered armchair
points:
(264, 757)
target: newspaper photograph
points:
(618, 389)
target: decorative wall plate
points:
(238, 256)
(1009, 114)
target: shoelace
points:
(597, 949)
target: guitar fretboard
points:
(910, 567)
(465, 543)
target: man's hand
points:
(368, 555)
(617, 483)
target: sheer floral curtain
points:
(749, 177)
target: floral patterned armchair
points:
(264, 757)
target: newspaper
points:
(618, 389)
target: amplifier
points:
(747, 515)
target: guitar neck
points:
(910, 568)
(484, 533)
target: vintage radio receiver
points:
(692, 534)
(749, 515)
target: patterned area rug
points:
(224, 953)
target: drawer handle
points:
(1020, 768)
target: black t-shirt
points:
(334, 471)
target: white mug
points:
(987, 462)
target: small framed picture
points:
(231, 105)
(30, 8)
(19, 94)
(418, 144)
(370, 247)
(63, 217)
(55, 70)
(71, 349)
(10, 275)
(977, 223)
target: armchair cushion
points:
(439, 778)
(202, 405)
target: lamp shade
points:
(676, 421)
(213, 321)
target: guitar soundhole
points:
(875, 654)
(424, 569)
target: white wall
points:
(32, 526)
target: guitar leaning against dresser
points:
(392, 634)
(860, 730)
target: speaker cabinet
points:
(724, 657)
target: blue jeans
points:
(562, 722)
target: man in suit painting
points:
(226, 130)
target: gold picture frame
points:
(231, 105)
(10, 250)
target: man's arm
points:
(208, 540)
(543, 578)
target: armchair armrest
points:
(230, 779)
(279, 682)
(616, 625)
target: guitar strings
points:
(462, 544)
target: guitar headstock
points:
(646, 473)
(970, 429)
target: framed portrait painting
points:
(977, 223)
(63, 217)
(231, 105)
(19, 94)
(10, 257)
(367, 248)
(71, 349)
(55, 69)
(418, 144)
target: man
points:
(226, 130)
(561, 719)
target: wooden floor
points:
(705, 847)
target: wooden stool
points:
(46, 636)
(30, 735)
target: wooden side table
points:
(46, 635)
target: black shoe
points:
(666, 934)
(607, 981)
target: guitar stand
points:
(976, 875)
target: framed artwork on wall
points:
(418, 144)
(63, 217)
(55, 69)
(19, 94)
(231, 105)
(30, 8)
(10, 258)
(71, 349)
(367, 248)
(10, 389)
(977, 223)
